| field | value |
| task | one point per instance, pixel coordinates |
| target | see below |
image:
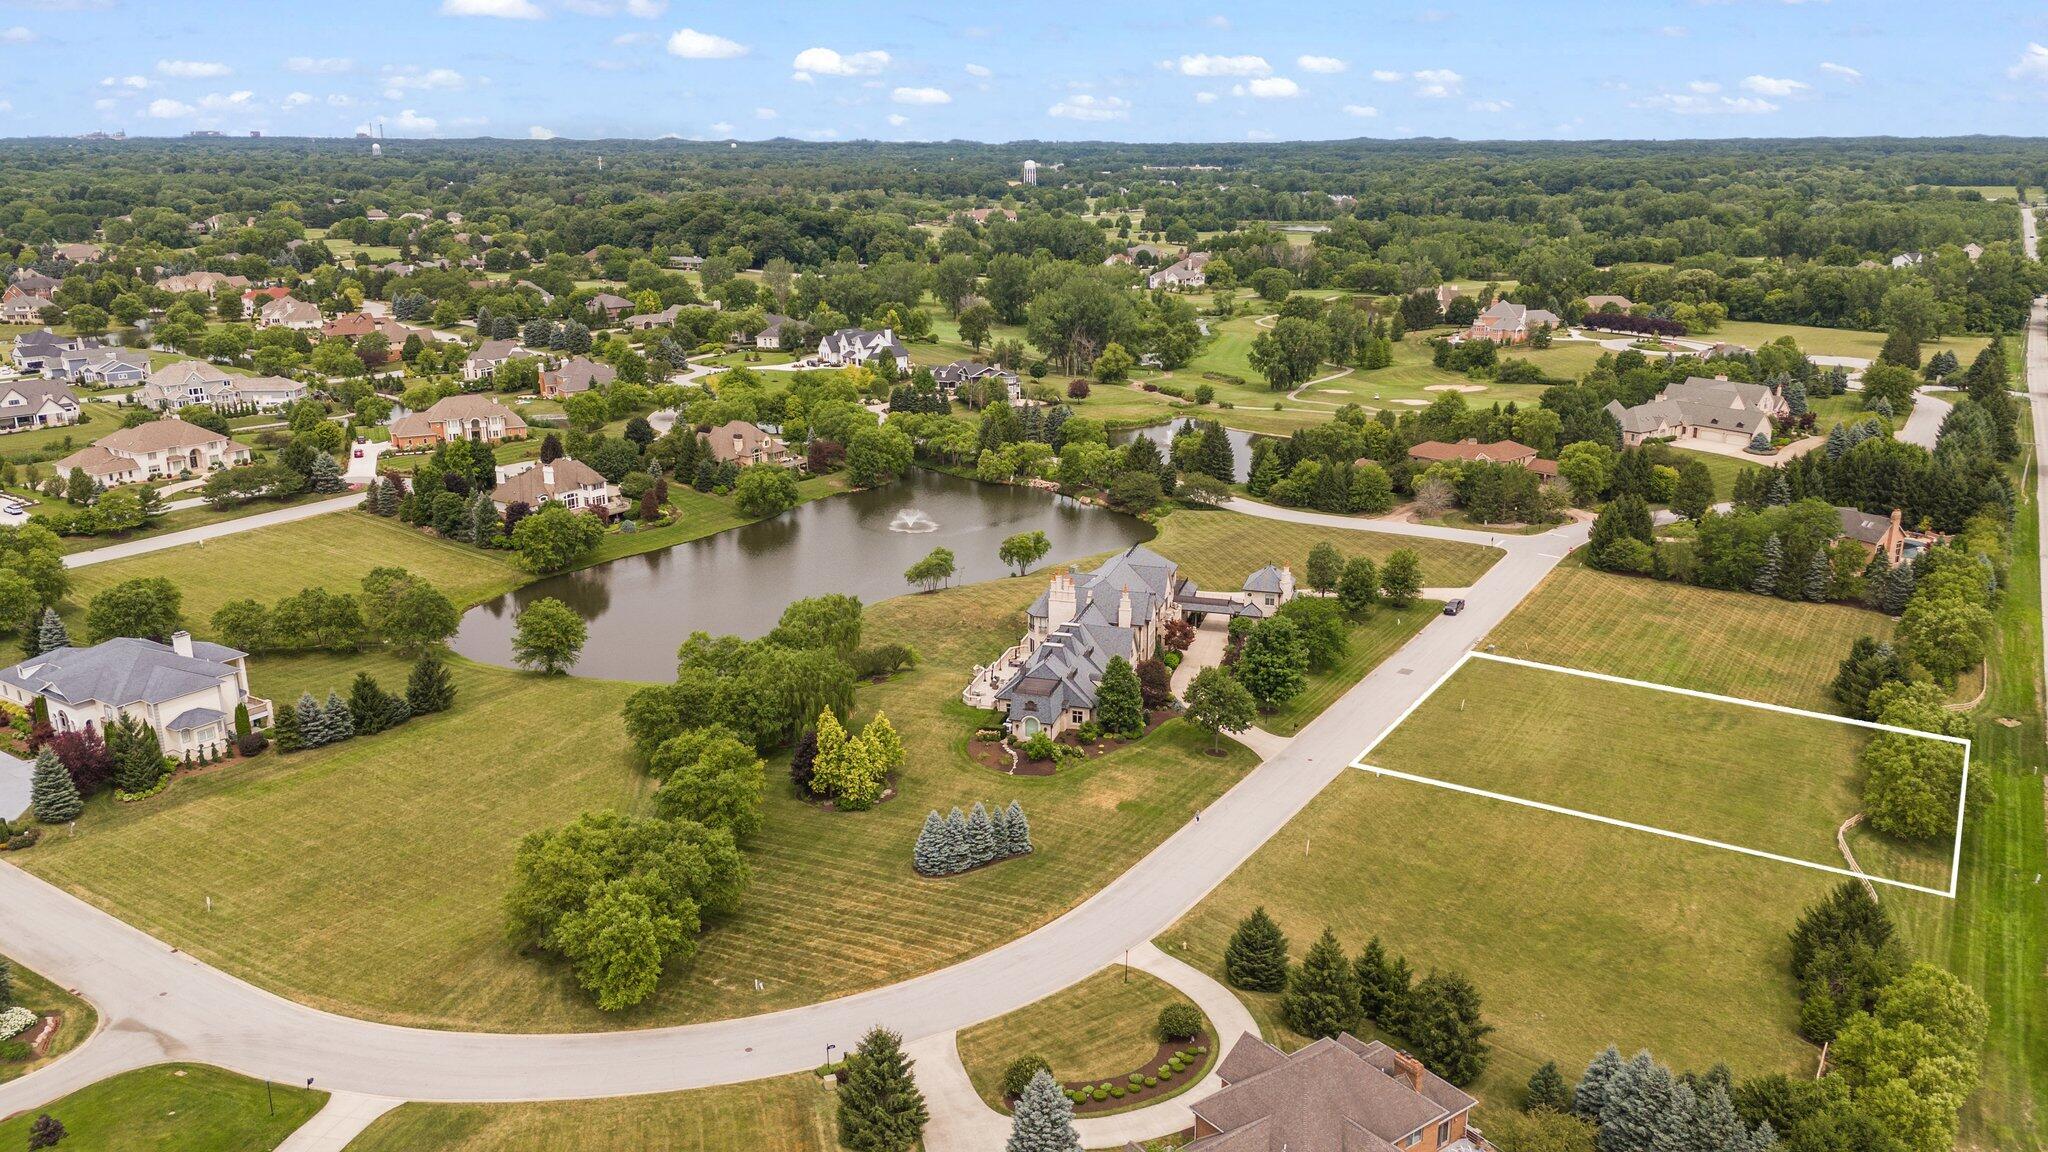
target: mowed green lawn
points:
(76, 1018)
(173, 1108)
(1219, 549)
(1730, 643)
(1837, 341)
(1371, 642)
(1745, 776)
(332, 551)
(786, 1114)
(1100, 1029)
(96, 419)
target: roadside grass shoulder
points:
(77, 1018)
(173, 1108)
(785, 1114)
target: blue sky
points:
(1049, 70)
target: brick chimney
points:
(1408, 1068)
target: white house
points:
(489, 358)
(26, 404)
(565, 481)
(289, 312)
(166, 447)
(862, 346)
(1186, 272)
(187, 690)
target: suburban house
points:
(652, 320)
(546, 297)
(255, 298)
(861, 346)
(77, 253)
(35, 351)
(1186, 272)
(951, 376)
(489, 358)
(206, 282)
(610, 305)
(94, 364)
(576, 374)
(32, 282)
(160, 448)
(739, 442)
(288, 312)
(769, 337)
(26, 308)
(1499, 452)
(687, 263)
(1886, 534)
(1046, 682)
(1908, 259)
(1340, 1094)
(457, 418)
(356, 325)
(565, 481)
(1608, 303)
(1720, 411)
(981, 215)
(1973, 251)
(266, 393)
(1504, 322)
(1130, 255)
(186, 382)
(187, 690)
(31, 403)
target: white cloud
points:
(539, 133)
(1491, 105)
(764, 113)
(1320, 64)
(1086, 106)
(500, 9)
(404, 80)
(643, 9)
(1842, 70)
(137, 83)
(1363, 111)
(829, 62)
(1257, 134)
(1438, 83)
(1206, 65)
(721, 129)
(298, 99)
(1772, 86)
(691, 44)
(1205, 97)
(1386, 77)
(1694, 104)
(411, 121)
(168, 109)
(898, 119)
(1218, 21)
(1747, 105)
(921, 96)
(2033, 64)
(223, 101)
(980, 71)
(16, 35)
(104, 104)
(318, 65)
(1703, 87)
(192, 69)
(1268, 88)
(823, 133)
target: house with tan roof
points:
(565, 481)
(77, 253)
(1719, 411)
(1187, 272)
(24, 309)
(158, 449)
(1608, 304)
(30, 403)
(648, 321)
(255, 298)
(1498, 452)
(490, 357)
(1505, 322)
(610, 305)
(1336, 1095)
(206, 282)
(574, 375)
(288, 312)
(457, 418)
(739, 442)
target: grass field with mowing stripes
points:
(1100, 1029)
(786, 1114)
(174, 1108)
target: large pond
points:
(640, 608)
(1162, 435)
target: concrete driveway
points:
(1212, 636)
(14, 785)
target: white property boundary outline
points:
(1955, 860)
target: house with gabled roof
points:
(1719, 411)
(160, 448)
(37, 351)
(1505, 322)
(610, 304)
(490, 357)
(187, 691)
(745, 444)
(850, 346)
(565, 481)
(1885, 534)
(26, 308)
(1186, 272)
(461, 417)
(290, 312)
(31, 403)
(1339, 1094)
(951, 376)
(768, 337)
(648, 321)
(574, 375)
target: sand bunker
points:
(1455, 388)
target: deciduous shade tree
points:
(935, 569)
(1322, 993)
(554, 539)
(1023, 550)
(1043, 1120)
(548, 635)
(714, 780)
(764, 490)
(1358, 589)
(1325, 567)
(880, 1107)
(1273, 663)
(1256, 957)
(52, 795)
(1218, 703)
(148, 607)
(621, 896)
(1401, 577)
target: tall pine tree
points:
(1322, 994)
(52, 795)
(880, 1108)
(1256, 957)
(981, 836)
(1043, 1120)
(1019, 841)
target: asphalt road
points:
(158, 1003)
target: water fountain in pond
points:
(913, 520)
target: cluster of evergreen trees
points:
(1327, 993)
(369, 708)
(956, 843)
(1639, 1105)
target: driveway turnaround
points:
(159, 1003)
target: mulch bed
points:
(991, 755)
(1130, 1099)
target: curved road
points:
(158, 1003)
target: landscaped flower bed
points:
(1177, 1066)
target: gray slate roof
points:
(124, 670)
